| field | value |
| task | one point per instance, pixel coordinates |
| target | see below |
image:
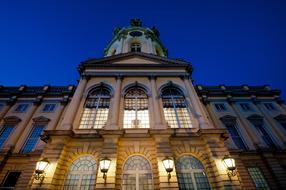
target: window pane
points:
(258, 178)
(33, 138)
(201, 180)
(11, 179)
(235, 136)
(265, 136)
(136, 113)
(96, 109)
(5, 133)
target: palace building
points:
(135, 121)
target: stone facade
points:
(222, 120)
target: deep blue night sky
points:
(229, 42)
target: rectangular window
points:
(245, 107)
(220, 107)
(269, 106)
(32, 139)
(265, 136)
(257, 178)
(49, 107)
(5, 133)
(21, 107)
(232, 130)
(10, 180)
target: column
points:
(115, 110)
(157, 113)
(256, 139)
(212, 116)
(195, 101)
(73, 106)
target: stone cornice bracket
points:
(119, 76)
(38, 100)
(152, 77)
(230, 99)
(255, 100)
(65, 100)
(205, 99)
(85, 76)
(186, 77)
(11, 100)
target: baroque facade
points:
(135, 108)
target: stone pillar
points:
(273, 126)
(212, 116)
(196, 104)
(115, 110)
(18, 131)
(251, 132)
(109, 150)
(73, 106)
(157, 113)
(164, 150)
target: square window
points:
(220, 107)
(49, 107)
(21, 107)
(269, 106)
(245, 107)
(11, 180)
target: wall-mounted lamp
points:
(104, 165)
(229, 163)
(40, 169)
(168, 165)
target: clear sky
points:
(229, 42)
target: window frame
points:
(220, 107)
(23, 110)
(135, 47)
(5, 126)
(49, 110)
(34, 126)
(245, 107)
(269, 106)
(7, 175)
(261, 175)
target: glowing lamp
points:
(104, 165)
(229, 163)
(40, 169)
(168, 165)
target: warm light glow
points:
(42, 165)
(229, 163)
(104, 164)
(168, 164)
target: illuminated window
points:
(82, 174)
(175, 108)
(136, 113)
(191, 174)
(32, 139)
(258, 178)
(5, 133)
(137, 174)
(96, 109)
(135, 47)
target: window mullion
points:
(96, 110)
(176, 113)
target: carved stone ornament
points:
(41, 119)
(12, 119)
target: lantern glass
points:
(42, 165)
(229, 162)
(168, 164)
(104, 164)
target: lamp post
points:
(40, 169)
(229, 163)
(104, 165)
(168, 165)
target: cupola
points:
(136, 38)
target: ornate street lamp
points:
(40, 169)
(104, 165)
(168, 165)
(229, 163)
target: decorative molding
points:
(12, 120)
(228, 119)
(41, 119)
(280, 118)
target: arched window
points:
(175, 108)
(135, 47)
(96, 109)
(82, 174)
(136, 114)
(137, 174)
(191, 174)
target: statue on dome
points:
(136, 22)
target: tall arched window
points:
(136, 114)
(191, 174)
(137, 174)
(175, 108)
(96, 109)
(82, 174)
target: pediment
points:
(41, 119)
(280, 117)
(132, 60)
(12, 119)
